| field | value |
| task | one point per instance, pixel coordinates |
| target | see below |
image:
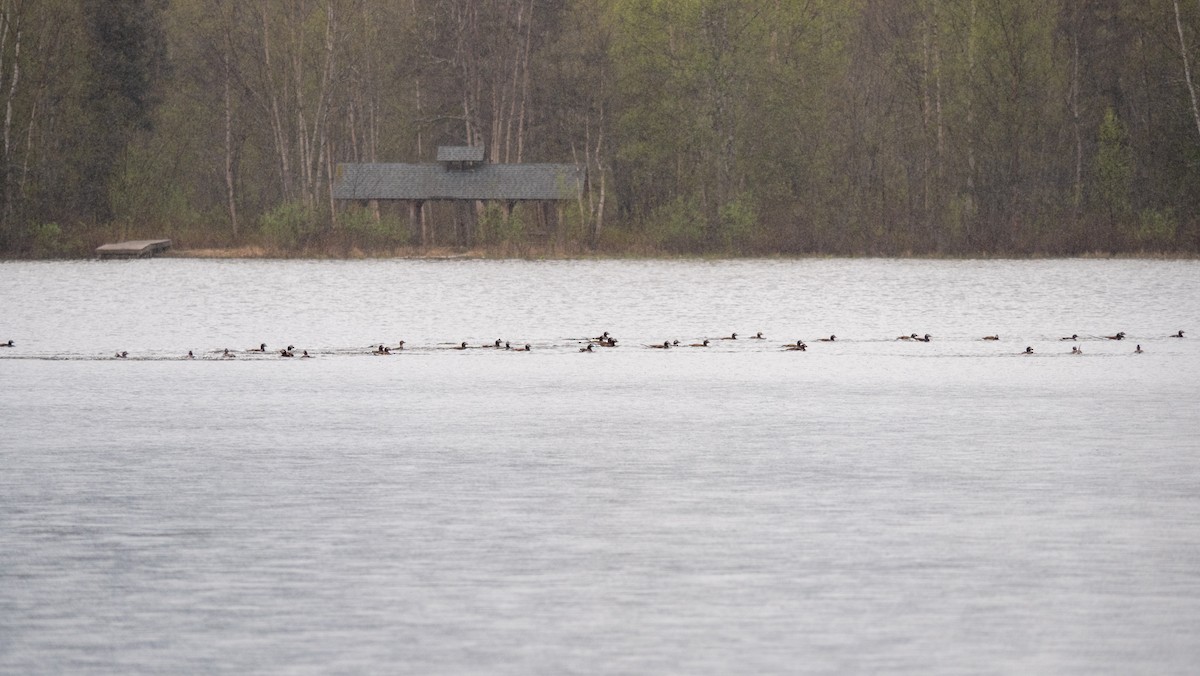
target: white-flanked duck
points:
(1073, 336)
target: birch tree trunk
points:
(1187, 68)
(227, 64)
(12, 24)
(277, 129)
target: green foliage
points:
(290, 226)
(678, 226)
(126, 54)
(737, 220)
(1156, 229)
(1114, 170)
(496, 229)
(720, 126)
(359, 229)
(50, 241)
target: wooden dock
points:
(140, 248)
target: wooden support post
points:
(416, 219)
(547, 226)
(558, 227)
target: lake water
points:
(868, 505)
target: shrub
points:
(289, 226)
(1155, 229)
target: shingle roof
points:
(460, 154)
(433, 181)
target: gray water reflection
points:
(868, 505)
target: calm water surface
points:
(870, 505)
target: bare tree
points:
(1187, 68)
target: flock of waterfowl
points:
(607, 340)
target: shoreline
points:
(452, 254)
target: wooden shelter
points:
(461, 175)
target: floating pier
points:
(139, 248)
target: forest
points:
(707, 127)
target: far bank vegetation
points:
(708, 127)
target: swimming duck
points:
(758, 336)
(518, 349)
(1138, 350)
(461, 346)
(830, 339)
(507, 346)
(1028, 350)
(289, 353)
(1173, 335)
(798, 347)
(586, 349)
(1076, 350)
(704, 344)
(1120, 336)
(121, 355)
(996, 337)
(400, 345)
(190, 355)
(496, 344)
(923, 340)
(381, 350)
(1073, 336)
(601, 338)
(608, 342)
(911, 336)
(261, 348)
(730, 337)
(227, 354)
(666, 345)
(306, 355)
(10, 343)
